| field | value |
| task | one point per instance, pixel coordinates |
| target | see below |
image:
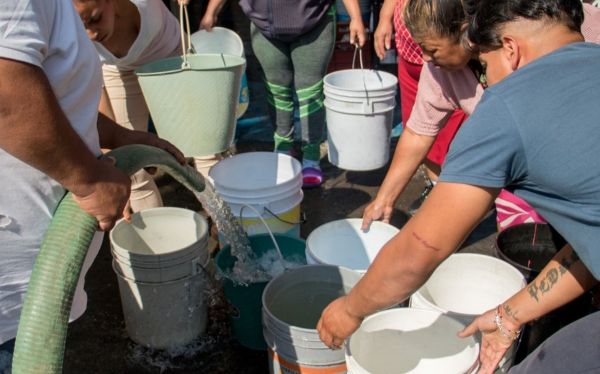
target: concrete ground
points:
(98, 342)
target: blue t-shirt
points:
(537, 133)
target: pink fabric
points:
(440, 93)
(511, 210)
(405, 45)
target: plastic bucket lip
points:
(142, 219)
(351, 80)
(320, 237)
(344, 273)
(404, 315)
(250, 173)
(464, 316)
(160, 275)
(198, 62)
(214, 40)
(259, 195)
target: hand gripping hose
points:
(42, 331)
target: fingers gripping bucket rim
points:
(467, 284)
(343, 243)
(411, 341)
(292, 304)
(194, 107)
(359, 109)
(246, 323)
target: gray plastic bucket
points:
(466, 285)
(160, 244)
(407, 340)
(160, 259)
(194, 107)
(165, 314)
(292, 304)
(359, 109)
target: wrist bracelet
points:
(506, 332)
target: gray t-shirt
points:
(537, 133)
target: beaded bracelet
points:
(506, 332)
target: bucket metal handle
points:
(267, 227)
(184, 24)
(368, 104)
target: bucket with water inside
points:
(467, 284)
(159, 259)
(245, 299)
(343, 243)
(292, 305)
(270, 183)
(407, 340)
(193, 100)
(359, 108)
(529, 247)
(226, 41)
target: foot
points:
(311, 177)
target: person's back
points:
(539, 119)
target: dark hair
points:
(438, 18)
(486, 17)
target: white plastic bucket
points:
(292, 304)
(343, 243)
(359, 108)
(269, 182)
(160, 260)
(415, 341)
(224, 40)
(468, 284)
(165, 314)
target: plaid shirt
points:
(405, 45)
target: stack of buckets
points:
(160, 259)
(360, 109)
(263, 185)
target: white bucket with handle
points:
(359, 108)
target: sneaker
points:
(412, 209)
(311, 177)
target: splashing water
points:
(248, 268)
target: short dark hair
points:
(486, 17)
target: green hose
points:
(40, 342)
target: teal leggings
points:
(298, 68)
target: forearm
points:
(386, 14)
(564, 279)
(35, 130)
(353, 9)
(409, 154)
(213, 8)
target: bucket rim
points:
(146, 69)
(328, 85)
(355, 223)
(157, 211)
(217, 30)
(303, 268)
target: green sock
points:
(311, 151)
(282, 143)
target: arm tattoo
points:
(551, 277)
(510, 312)
(424, 242)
